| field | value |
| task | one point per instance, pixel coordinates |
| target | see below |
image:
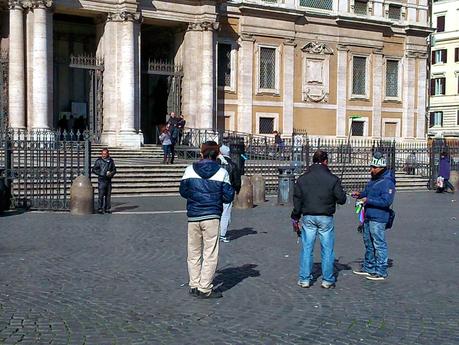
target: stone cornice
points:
(124, 16)
(42, 4)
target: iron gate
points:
(174, 75)
(95, 67)
(40, 166)
(3, 88)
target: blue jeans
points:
(310, 227)
(374, 238)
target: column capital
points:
(124, 16)
(246, 37)
(290, 42)
(15, 5)
(342, 47)
(32, 4)
(203, 26)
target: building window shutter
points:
(444, 56)
(441, 118)
(432, 87)
(440, 23)
(431, 119)
(456, 55)
(457, 118)
(443, 85)
(433, 58)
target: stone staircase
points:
(141, 173)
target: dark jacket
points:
(317, 192)
(206, 187)
(233, 172)
(102, 166)
(380, 192)
(444, 168)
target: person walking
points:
(104, 168)
(444, 171)
(166, 142)
(235, 179)
(315, 196)
(377, 197)
(181, 127)
(206, 187)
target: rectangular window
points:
(357, 128)
(360, 7)
(359, 75)
(456, 55)
(436, 119)
(437, 86)
(266, 125)
(267, 68)
(390, 129)
(320, 4)
(440, 23)
(224, 64)
(395, 12)
(392, 78)
(439, 56)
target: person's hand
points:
(363, 200)
(109, 174)
(296, 225)
(355, 195)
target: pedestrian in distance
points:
(206, 187)
(226, 162)
(166, 142)
(377, 198)
(315, 196)
(411, 163)
(181, 127)
(104, 168)
(444, 171)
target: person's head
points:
(172, 114)
(443, 154)
(210, 150)
(378, 163)
(105, 153)
(320, 157)
(224, 150)
(182, 117)
(275, 132)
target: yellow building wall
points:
(315, 121)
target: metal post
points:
(87, 156)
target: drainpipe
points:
(429, 64)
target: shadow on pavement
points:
(237, 233)
(228, 278)
(14, 212)
(124, 208)
(338, 267)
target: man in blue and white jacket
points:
(206, 186)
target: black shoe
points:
(194, 292)
(212, 294)
(100, 211)
(108, 211)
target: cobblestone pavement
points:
(121, 279)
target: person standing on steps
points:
(166, 142)
(104, 168)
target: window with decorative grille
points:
(320, 4)
(224, 64)
(267, 68)
(357, 128)
(360, 7)
(392, 78)
(266, 125)
(359, 75)
(395, 12)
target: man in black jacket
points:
(316, 194)
(104, 168)
(235, 179)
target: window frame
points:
(434, 85)
(259, 115)
(432, 116)
(360, 1)
(396, 5)
(365, 121)
(442, 15)
(276, 89)
(352, 95)
(397, 128)
(233, 62)
(443, 57)
(399, 79)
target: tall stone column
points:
(409, 74)
(42, 57)
(17, 75)
(245, 84)
(208, 87)
(421, 102)
(377, 94)
(341, 96)
(289, 80)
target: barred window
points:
(266, 125)
(267, 68)
(360, 7)
(392, 78)
(224, 64)
(357, 128)
(395, 12)
(359, 75)
(320, 4)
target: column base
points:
(130, 139)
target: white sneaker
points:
(303, 284)
(360, 273)
(224, 239)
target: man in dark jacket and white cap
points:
(377, 197)
(206, 186)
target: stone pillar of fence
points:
(81, 196)
(244, 199)
(454, 179)
(259, 189)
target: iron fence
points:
(40, 165)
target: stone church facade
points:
(118, 66)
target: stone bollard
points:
(245, 197)
(81, 196)
(454, 179)
(259, 189)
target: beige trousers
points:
(203, 244)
